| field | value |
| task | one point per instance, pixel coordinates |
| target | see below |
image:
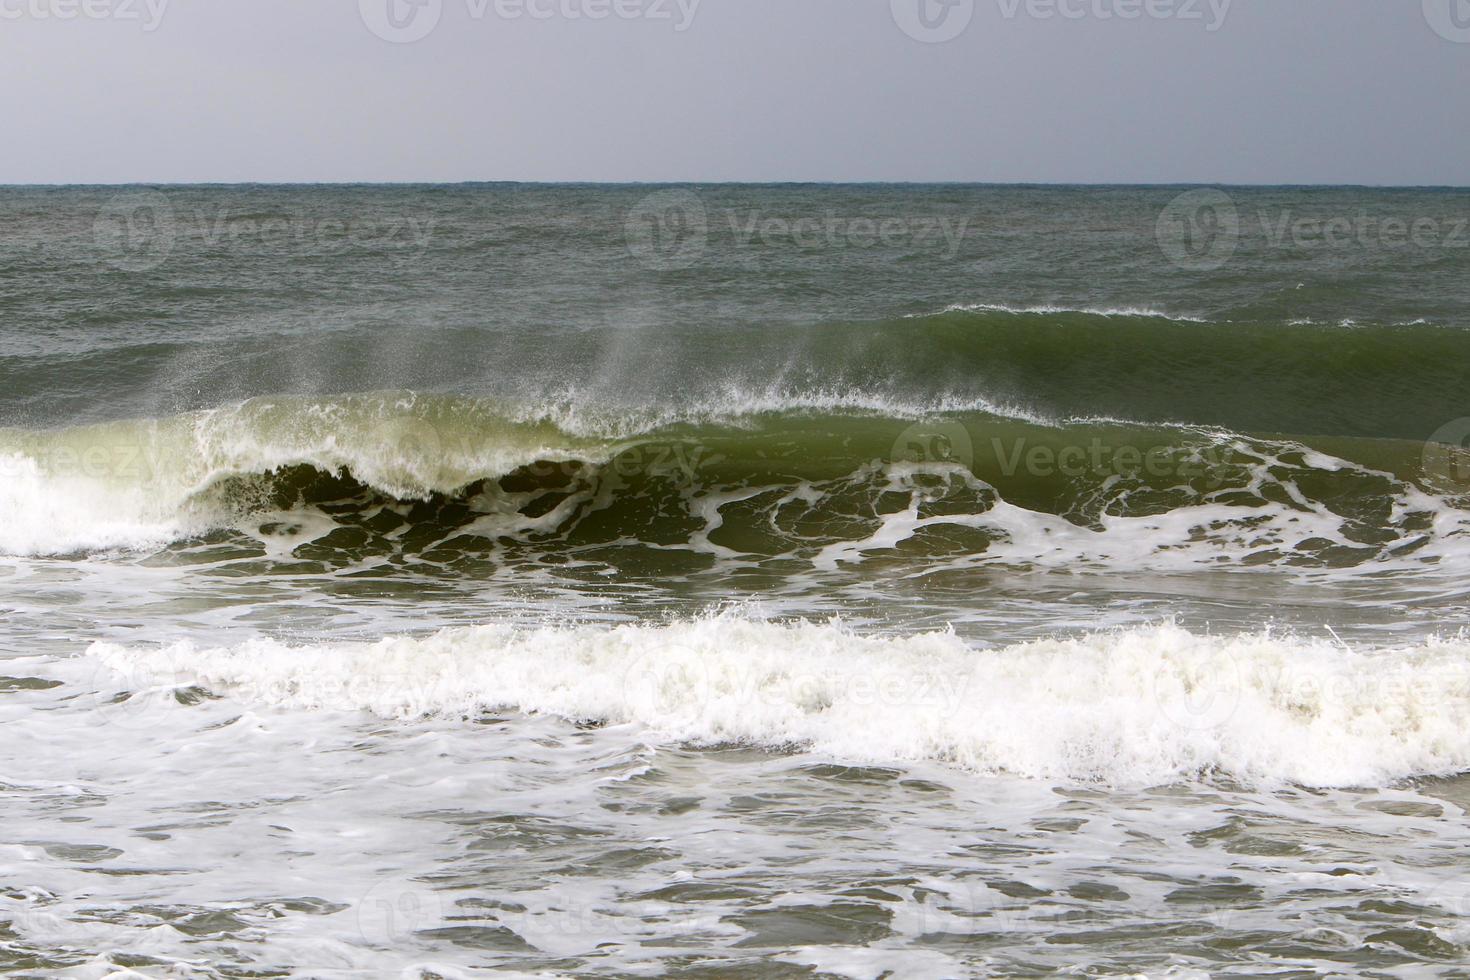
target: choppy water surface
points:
(852, 581)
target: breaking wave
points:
(827, 482)
(1145, 706)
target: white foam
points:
(47, 513)
(1048, 309)
(743, 407)
(1144, 706)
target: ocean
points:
(733, 580)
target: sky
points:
(1236, 91)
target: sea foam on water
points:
(1133, 707)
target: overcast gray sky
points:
(1275, 91)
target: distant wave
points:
(1138, 312)
(1041, 363)
(1141, 707)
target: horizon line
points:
(729, 183)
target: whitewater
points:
(1136, 708)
